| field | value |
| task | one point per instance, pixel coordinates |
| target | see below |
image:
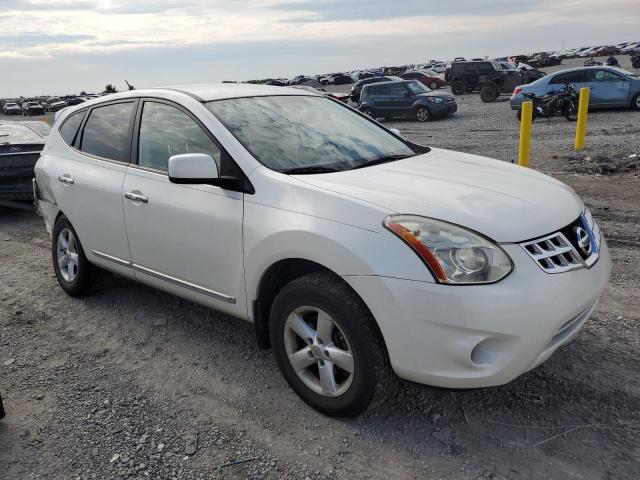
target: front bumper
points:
(439, 110)
(482, 335)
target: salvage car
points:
(429, 78)
(32, 108)
(20, 147)
(359, 256)
(54, 104)
(11, 109)
(406, 99)
(610, 86)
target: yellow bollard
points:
(524, 149)
(583, 108)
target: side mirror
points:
(193, 168)
(407, 94)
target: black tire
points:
(86, 274)
(635, 103)
(570, 112)
(489, 94)
(372, 379)
(534, 114)
(458, 87)
(433, 85)
(423, 114)
(368, 112)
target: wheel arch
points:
(274, 278)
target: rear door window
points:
(379, 90)
(571, 77)
(107, 132)
(397, 90)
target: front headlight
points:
(436, 99)
(454, 254)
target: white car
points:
(359, 256)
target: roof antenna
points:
(131, 87)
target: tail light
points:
(517, 90)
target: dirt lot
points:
(131, 382)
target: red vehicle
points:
(427, 77)
(605, 51)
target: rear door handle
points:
(136, 197)
(66, 179)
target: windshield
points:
(305, 134)
(416, 87)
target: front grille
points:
(553, 253)
(575, 246)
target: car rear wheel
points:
(635, 103)
(74, 272)
(433, 85)
(458, 87)
(423, 114)
(327, 346)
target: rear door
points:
(184, 238)
(89, 177)
(401, 99)
(380, 98)
(608, 88)
(577, 78)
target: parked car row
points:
(38, 105)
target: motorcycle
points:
(564, 102)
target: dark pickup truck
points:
(20, 147)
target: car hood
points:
(505, 202)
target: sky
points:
(59, 47)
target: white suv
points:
(359, 256)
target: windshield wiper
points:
(378, 161)
(309, 170)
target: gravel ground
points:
(134, 383)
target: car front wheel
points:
(635, 103)
(423, 114)
(327, 346)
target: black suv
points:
(465, 76)
(407, 99)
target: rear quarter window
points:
(69, 127)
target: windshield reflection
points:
(302, 132)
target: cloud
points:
(340, 10)
(75, 44)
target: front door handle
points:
(136, 197)
(66, 179)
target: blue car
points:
(407, 99)
(610, 86)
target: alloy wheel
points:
(423, 114)
(318, 351)
(67, 255)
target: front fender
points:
(344, 249)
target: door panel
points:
(183, 238)
(189, 236)
(89, 182)
(607, 88)
(93, 205)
